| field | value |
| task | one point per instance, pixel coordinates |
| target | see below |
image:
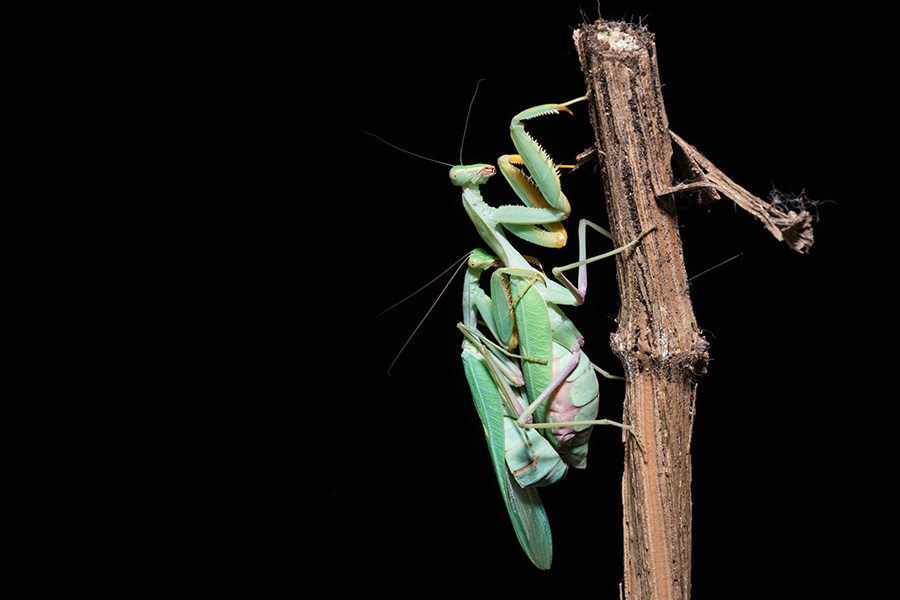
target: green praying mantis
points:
(537, 406)
(534, 389)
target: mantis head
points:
(471, 175)
(482, 259)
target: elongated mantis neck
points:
(492, 234)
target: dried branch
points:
(657, 340)
(793, 228)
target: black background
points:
(200, 239)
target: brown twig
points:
(658, 340)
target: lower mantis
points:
(500, 387)
(551, 385)
(526, 511)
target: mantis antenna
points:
(714, 267)
(466, 126)
(444, 272)
(423, 157)
(459, 264)
(384, 141)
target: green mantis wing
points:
(526, 511)
(535, 339)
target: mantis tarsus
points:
(550, 385)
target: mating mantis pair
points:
(534, 389)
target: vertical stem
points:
(657, 339)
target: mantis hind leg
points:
(577, 424)
(589, 423)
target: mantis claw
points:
(630, 429)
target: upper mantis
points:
(550, 385)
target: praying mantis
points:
(538, 406)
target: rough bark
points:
(657, 339)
